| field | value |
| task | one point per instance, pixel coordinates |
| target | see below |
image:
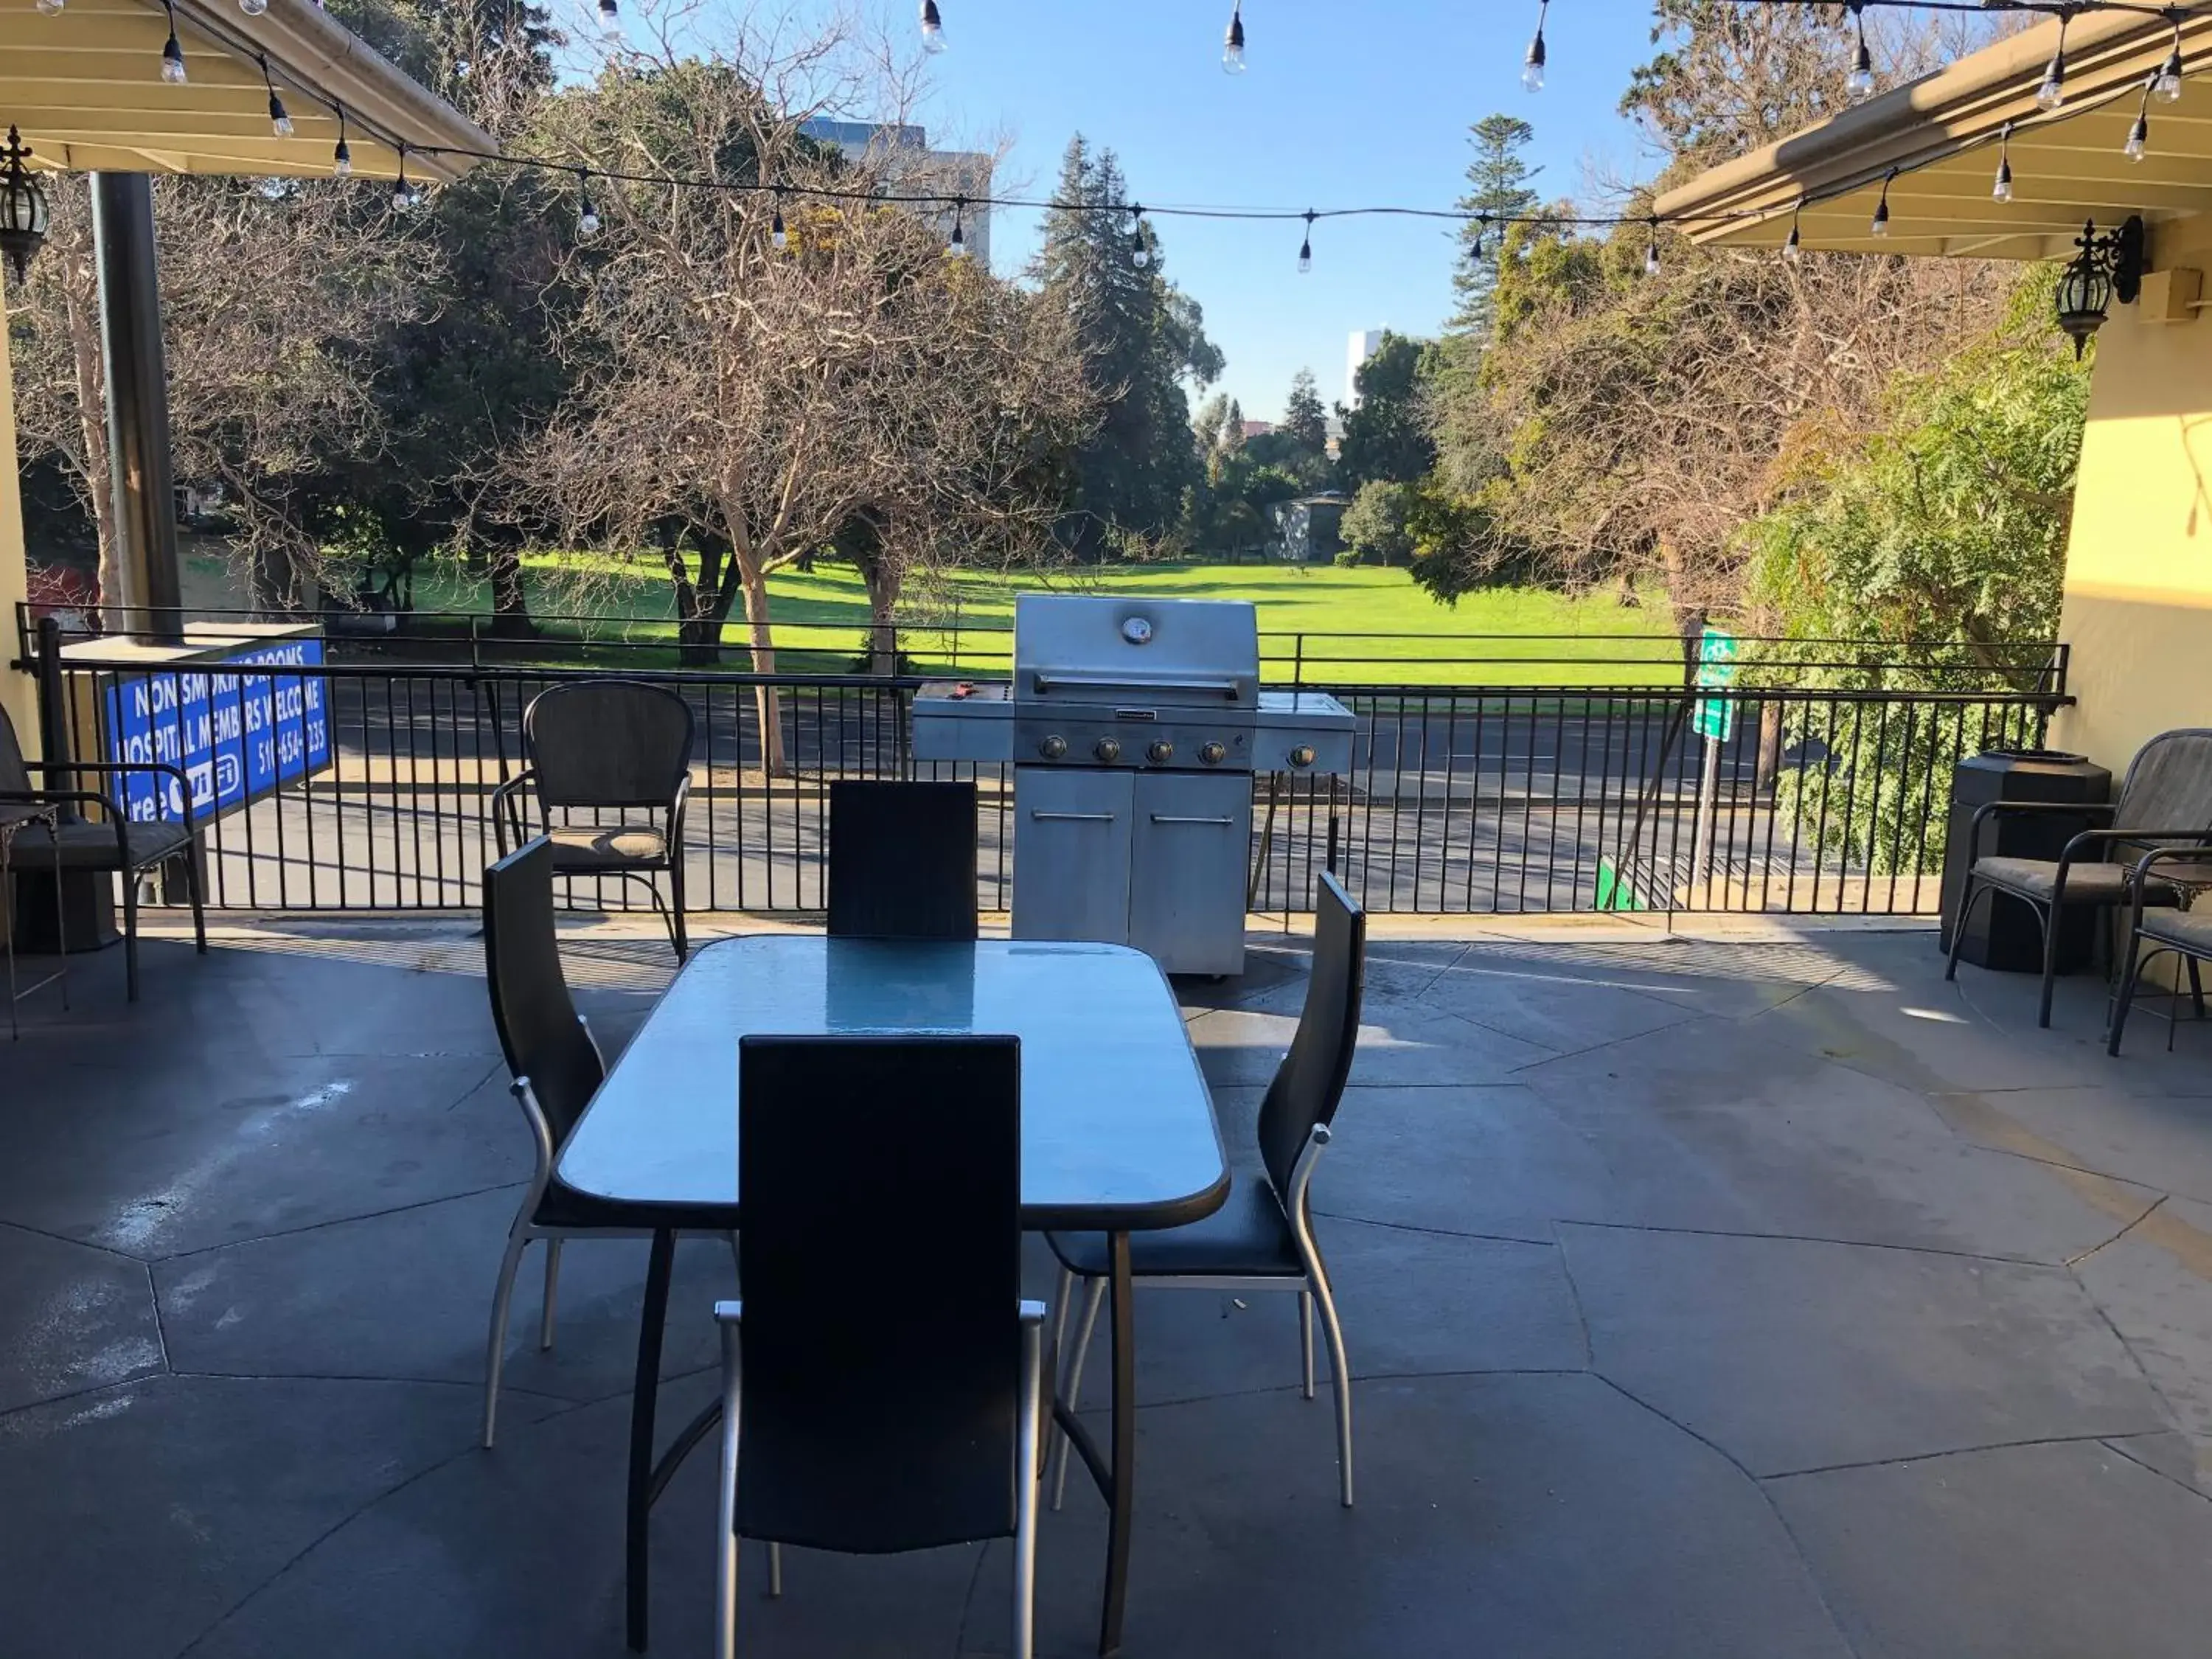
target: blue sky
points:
(1344, 104)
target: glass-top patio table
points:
(1118, 1134)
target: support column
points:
(137, 406)
(18, 690)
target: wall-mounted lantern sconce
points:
(2109, 267)
(22, 207)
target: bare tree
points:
(275, 296)
(748, 400)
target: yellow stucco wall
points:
(17, 694)
(2138, 609)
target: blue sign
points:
(235, 736)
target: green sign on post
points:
(1715, 717)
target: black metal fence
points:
(1807, 797)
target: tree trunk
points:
(884, 578)
(510, 604)
(92, 420)
(766, 699)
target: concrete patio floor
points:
(1706, 1297)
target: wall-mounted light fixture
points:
(22, 207)
(2109, 267)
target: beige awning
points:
(1942, 133)
(85, 86)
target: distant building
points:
(1362, 344)
(907, 158)
(1310, 531)
(1257, 430)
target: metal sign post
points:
(1714, 721)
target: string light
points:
(777, 237)
(2001, 191)
(933, 28)
(342, 157)
(610, 19)
(587, 216)
(1532, 66)
(279, 122)
(1481, 227)
(50, 7)
(1880, 225)
(1232, 43)
(2139, 134)
(1794, 249)
(253, 8)
(1305, 248)
(1140, 252)
(2166, 85)
(403, 193)
(173, 55)
(1651, 250)
(2052, 93)
(1859, 84)
(957, 247)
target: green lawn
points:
(1310, 617)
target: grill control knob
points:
(1160, 753)
(1052, 748)
(1213, 753)
(1303, 756)
(1108, 750)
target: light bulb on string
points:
(1140, 250)
(957, 247)
(1481, 229)
(933, 28)
(342, 157)
(2166, 85)
(2001, 191)
(2052, 93)
(403, 193)
(2139, 134)
(1859, 84)
(1305, 247)
(610, 20)
(253, 8)
(1532, 66)
(587, 215)
(280, 122)
(1651, 250)
(1880, 225)
(778, 238)
(1232, 43)
(1794, 249)
(173, 55)
(50, 8)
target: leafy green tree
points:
(1497, 181)
(1139, 338)
(1387, 434)
(1374, 528)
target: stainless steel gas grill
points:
(1133, 725)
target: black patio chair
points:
(607, 745)
(1262, 1238)
(902, 860)
(853, 1151)
(2187, 934)
(2165, 798)
(113, 843)
(556, 1068)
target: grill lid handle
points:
(1228, 688)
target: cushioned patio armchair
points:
(111, 844)
(601, 747)
(2165, 798)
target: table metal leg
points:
(1122, 1513)
(653, 1319)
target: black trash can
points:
(2003, 934)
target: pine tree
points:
(1139, 337)
(1305, 421)
(1498, 185)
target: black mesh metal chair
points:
(852, 1151)
(902, 860)
(111, 844)
(2165, 798)
(557, 1068)
(1262, 1238)
(601, 746)
(2184, 934)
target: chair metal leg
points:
(1063, 1300)
(726, 1536)
(2129, 979)
(1026, 1493)
(518, 1240)
(1094, 1297)
(1340, 1376)
(2049, 917)
(2195, 986)
(552, 1286)
(1966, 897)
(737, 1261)
(1306, 1339)
(130, 935)
(194, 886)
(774, 1571)
(676, 907)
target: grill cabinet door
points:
(1071, 853)
(1194, 836)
